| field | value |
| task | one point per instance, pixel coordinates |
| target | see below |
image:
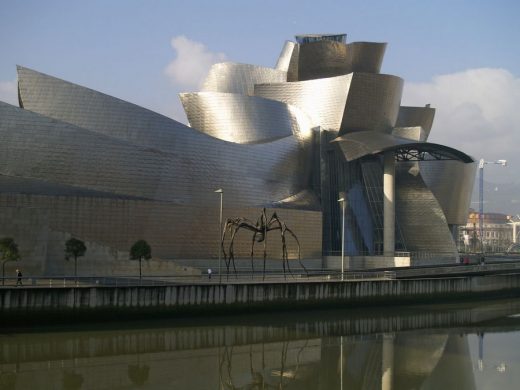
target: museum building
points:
(322, 125)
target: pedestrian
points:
(209, 273)
(19, 277)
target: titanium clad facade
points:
(229, 77)
(416, 116)
(373, 103)
(292, 72)
(361, 144)
(76, 162)
(322, 59)
(322, 99)
(424, 227)
(92, 110)
(328, 58)
(39, 148)
(243, 119)
(365, 57)
(284, 60)
(416, 133)
(451, 182)
(23, 185)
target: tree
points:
(9, 251)
(139, 251)
(75, 248)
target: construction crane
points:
(481, 164)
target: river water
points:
(457, 346)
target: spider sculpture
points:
(260, 229)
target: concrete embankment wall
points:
(50, 305)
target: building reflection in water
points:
(414, 349)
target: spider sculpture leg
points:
(299, 252)
(228, 226)
(253, 253)
(231, 245)
(276, 224)
(232, 226)
(284, 245)
(264, 228)
(283, 228)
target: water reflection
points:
(431, 347)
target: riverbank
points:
(93, 304)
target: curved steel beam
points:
(363, 143)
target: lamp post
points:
(221, 192)
(343, 201)
(481, 164)
(341, 362)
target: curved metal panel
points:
(94, 110)
(187, 173)
(242, 119)
(416, 116)
(363, 143)
(421, 219)
(37, 147)
(372, 103)
(229, 77)
(323, 99)
(327, 58)
(322, 59)
(416, 133)
(26, 186)
(292, 72)
(365, 57)
(304, 200)
(452, 184)
(284, 60)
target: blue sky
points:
(450, 53)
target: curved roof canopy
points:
(363, 143)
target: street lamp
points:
(481, 164)
(221, 192)
(343, 201)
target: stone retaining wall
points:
(83, 303)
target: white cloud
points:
(192, 63)
(477, 112)
(8, 92)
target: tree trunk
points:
(140, 258)
(76, 269)
(3, 272)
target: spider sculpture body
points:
(263, 226)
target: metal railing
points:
(241, 277)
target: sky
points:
(462, 57)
